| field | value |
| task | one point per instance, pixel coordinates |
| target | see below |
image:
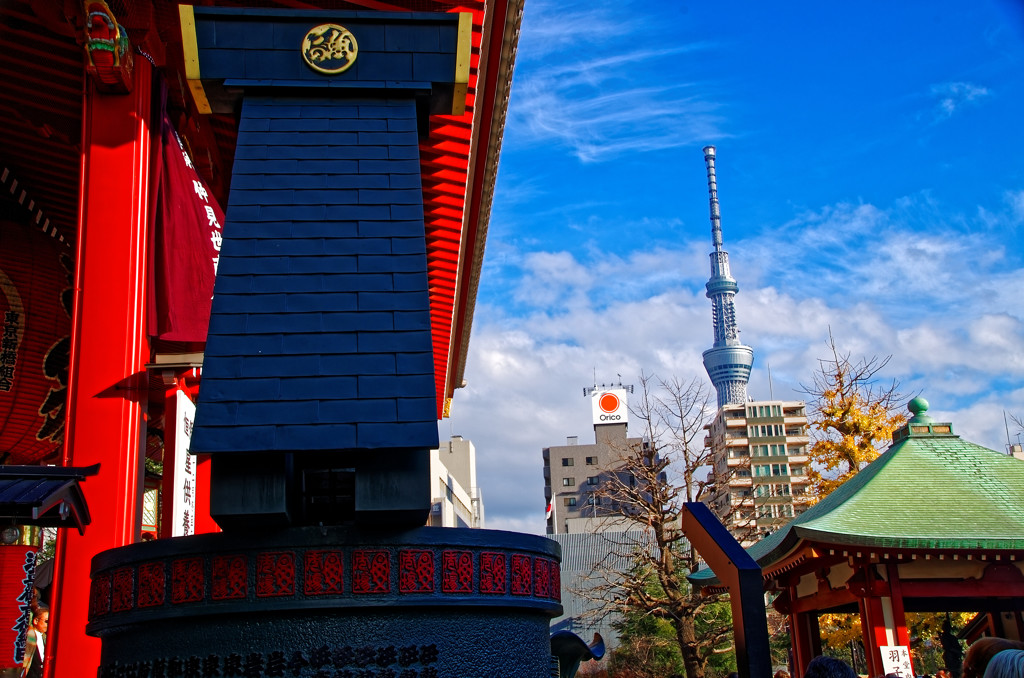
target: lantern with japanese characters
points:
(35, 309)
(17, 576)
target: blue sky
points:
(870, 177)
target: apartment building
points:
(760, 465)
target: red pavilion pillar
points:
(805, 638)
(883, 621)
(107, 384)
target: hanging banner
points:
(183, 520)
(17, 576)
(35, 329)
(185, 246)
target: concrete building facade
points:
(573, 472)
(760, 465)
(456, 501)
(594, 537)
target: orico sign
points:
(610, 406)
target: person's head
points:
(828, 667)
(781, 673)
(981, 651)
(1006, 664)
(41, 619)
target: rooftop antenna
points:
(1009, 444)
(771, 392)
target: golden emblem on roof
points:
(329, 49)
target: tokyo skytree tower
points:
(728, 361)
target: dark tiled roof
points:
(48, 496)
(320, 330)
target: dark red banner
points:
(35, 328)
(185, 246)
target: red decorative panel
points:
(493, 573)
(188, 581)
(230, 578)
(541, 578)
(275, 574)
(522, 575)
(324, 573)
(415, 571)
(371, 572)
(99, 595)
(122, 589)
(556, 581)
(152, 584)
(457, 572)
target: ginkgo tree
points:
(853, 417)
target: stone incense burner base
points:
(326, 602)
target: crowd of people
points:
(988, 657)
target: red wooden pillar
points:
(805, 638)
(899, 617)
(107, 386)
(205, 523)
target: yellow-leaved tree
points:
(853, 417)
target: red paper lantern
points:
(17, 575)
(35, 327)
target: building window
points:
(765, 430)
(591, 461)
(568, 482)
(762, 470)
(569, 501)
(567, 461)
(779, 470)
(593, 480)
(796, 470)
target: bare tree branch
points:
(642, 492)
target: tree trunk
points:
(687, 638)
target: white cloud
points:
(601, 103)
(944, 301)
(1016, 202)
(951, 97)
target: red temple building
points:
(934, 524)
(115, 159)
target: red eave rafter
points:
(444, 162)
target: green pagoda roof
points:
(929, 490)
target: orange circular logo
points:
(609, 402)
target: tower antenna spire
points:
(728, 361)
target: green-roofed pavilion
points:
(936, 523)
